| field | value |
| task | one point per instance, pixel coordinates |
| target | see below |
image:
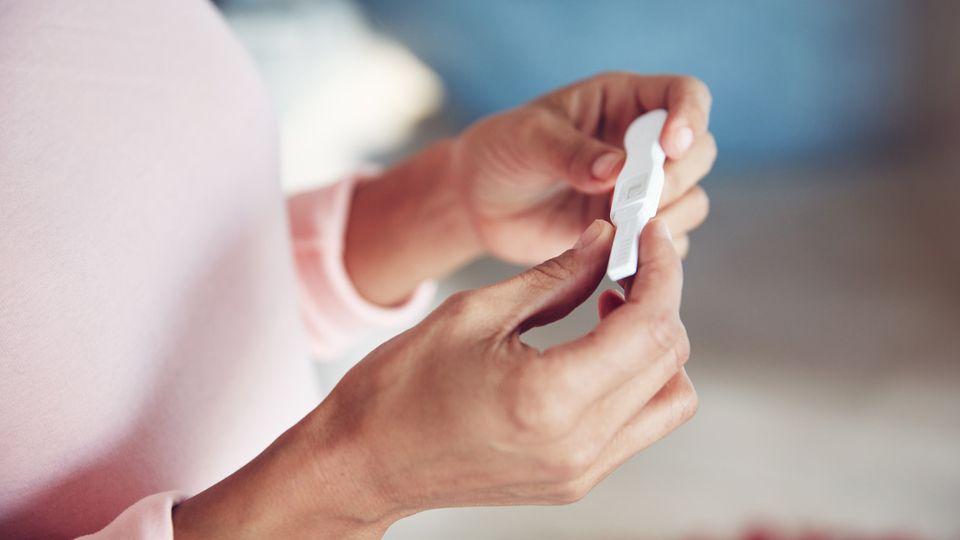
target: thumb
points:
(553, 288)
(588, 164)
(659, 279)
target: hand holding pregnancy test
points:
(636, 195)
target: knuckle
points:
(531, 121)
(576, 159)
(570, 492)
(571, 464)
(664, 271)
(688, 81)
(534, 415)
(456, 302)
(701, 202)
(668, 333)
(681, 348)
(687, 402)
(463, 304)
(699, 87)
(546, 274)
(659, 273)
(612, 76)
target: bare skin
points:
(458, 411)
(523, 184)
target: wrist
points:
(353, 486)
(313, 480)
(407, 226)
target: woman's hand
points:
(521, 185)
(459, 411)
(532, 178)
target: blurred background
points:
(823, 295)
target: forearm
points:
(407, 226)
(313, 481)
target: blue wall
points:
(792, 81)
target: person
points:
(151, 349)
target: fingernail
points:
(682, 139)
(590, 235)
(604, 165)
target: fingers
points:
(596, 112)
(609, 101)
(688, 103)
(615, 409)
(646, 329)
(687, 213)
(683, 174)
(550, 290)
(670, 408)
(609, 300)
(659, 280)
(588, 164)
(601, 447)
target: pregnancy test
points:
(636, 195)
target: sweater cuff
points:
(150, 518)
(334, 312)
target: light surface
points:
(823, 311)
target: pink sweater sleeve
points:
(148, 519)
(334, 313)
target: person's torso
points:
(149, 338)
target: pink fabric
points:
(147, 518)
(150, 341)
(326, 290)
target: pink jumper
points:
(151, 311)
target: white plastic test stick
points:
(636, 195)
